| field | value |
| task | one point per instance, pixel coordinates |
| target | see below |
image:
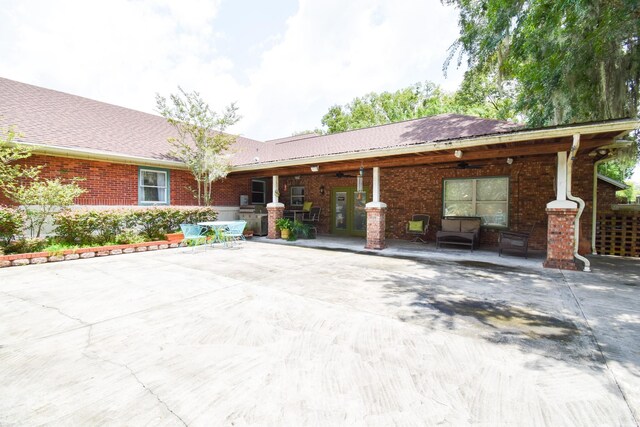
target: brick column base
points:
(375, 226)
(560, 239)
(274, 211)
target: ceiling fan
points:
(464, 165)
(343, 175)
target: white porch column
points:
(275, 193)
(275, 210)
(561, 201)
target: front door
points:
(349, 216)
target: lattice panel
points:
(618, 234)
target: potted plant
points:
(284, 225)
(247, 232)
(300, 229)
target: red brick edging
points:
(83, 253)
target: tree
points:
(415, 101)
(568, 61)
(11, 173)
(42, 199)
(201, 143)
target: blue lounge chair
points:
(194, 233)
(233, 234)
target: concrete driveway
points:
(279, 335)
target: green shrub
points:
(24, 246)
(125, 225)
(11, 224)
(128, 236)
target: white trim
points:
(616, 183)
(89, 154)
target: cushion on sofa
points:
(451, 225)
(469, 225)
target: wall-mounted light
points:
(322, 190)
(315, 168)
(509, 160)
(458, 154)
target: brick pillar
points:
(274, 211)
(375, 225)
(560, 238)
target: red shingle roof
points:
(49, 117)
(432, 129)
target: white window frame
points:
(141, 187)
(474, 202)
(297, 195)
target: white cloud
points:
(124, 52)
(333, 51)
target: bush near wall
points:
(11, 224)
(100, 226)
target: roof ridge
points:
(390, 124)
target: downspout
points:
(576, 225)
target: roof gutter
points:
(527, 135)
(88, 154)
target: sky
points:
(284, 62)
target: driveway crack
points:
(68, 316)
(135, 377)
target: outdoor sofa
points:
(457, 230)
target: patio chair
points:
(312, 219)
(234, 233)
(418, 227)
(516, 241)
(193, 233)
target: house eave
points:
(88, 154)
(615, 183)
(623, 126)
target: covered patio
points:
(370, 182)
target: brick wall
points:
(114, 184)
(418, 189)
(606, 196)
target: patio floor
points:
(276, 334)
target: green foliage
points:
(300, 229)
(99, 227)
(629, 195)
(201, 142)
(11, 224)
(23, 246)
(284, 224)
(419, 100)
(11, 172)
(41, 199)
(566, 61)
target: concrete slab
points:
(280, 335)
